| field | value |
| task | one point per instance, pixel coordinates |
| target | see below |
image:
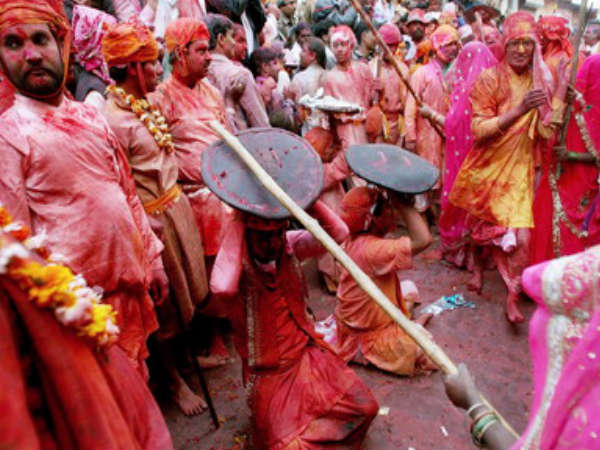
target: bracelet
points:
(478, 436)
(479, 417)
(473, 408)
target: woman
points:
(471, 61)
(565, 344)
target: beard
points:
(417, 35)
(49, 86)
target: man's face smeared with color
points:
(30, 57)
(342, 47)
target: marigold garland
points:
(54, 286)
(149, 115)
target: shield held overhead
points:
(286, 157)
(392, 167)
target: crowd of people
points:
(118, 263)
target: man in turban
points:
(429, 85)
(514, 108)
(189, 104)
(364, 333)
(393, 95)
(65, 175)
(133, 56)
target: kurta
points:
(246, 111)
(188, 112)
(429, 85)
(301, 394)
(495, 182)
(155, 173)
(308, 82)
(363, 328)
(393, 99)
(65, 175)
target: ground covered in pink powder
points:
(414, 412)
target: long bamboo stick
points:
(415, 331)
(393, 61)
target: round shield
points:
(392, 167)
(289, 159)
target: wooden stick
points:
(415, 331)
(393, 61)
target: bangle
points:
(485, 425)
(478, 418)
(473, 408)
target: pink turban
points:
(182, 31)
(391, 34)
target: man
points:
(244, 110)
(393, 96)
(61, 390)
(286, 21)
(134, 58)
(301, 394)
(241, 46)
(188, 104)
(364, 333)
(308, 81)
(429, 85)
(591, 38)
(513, 109)
(348, 129)
(366, 43)
(65, 175)
(416, 25)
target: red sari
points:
(577, 186)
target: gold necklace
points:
(150, 116)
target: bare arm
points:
(420, 236)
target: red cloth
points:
(390, 33)
(95, 400)
(356, 208)
(182, 31)
(554, 32)
(577, 186)
(129, 42)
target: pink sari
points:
(565, 346)
(471, 61)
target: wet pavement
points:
(414, 412)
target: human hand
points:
(461, 389)
(237, 88)
(560, 153)
(411, 146)
(533, 99)
(159, 286)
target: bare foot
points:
(212, 361)
(189, 403)
(475, 284)
(424, 319)
(512, 312)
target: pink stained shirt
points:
(188, 112)
(428, 84)
(246, 111)
(65, 175)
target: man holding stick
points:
(301, 394)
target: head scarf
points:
(555, 31)
(50, 12)
(443, 35)
(129, 43)
(424, 50)
(89, 26)
(416, 15)
(391, 34)
(357, 207)
(521, 25)
(448, 18)
(342, 32)
(182, 31)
